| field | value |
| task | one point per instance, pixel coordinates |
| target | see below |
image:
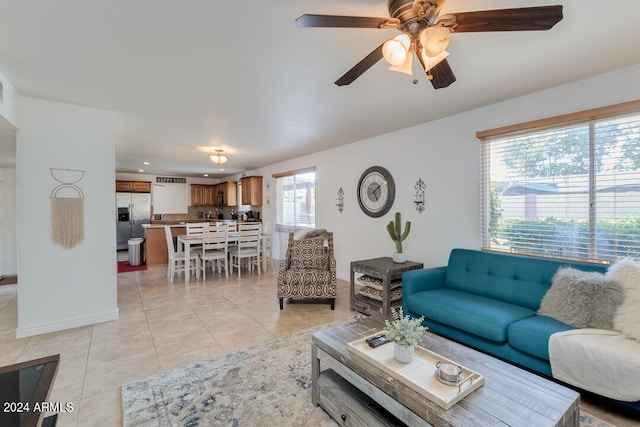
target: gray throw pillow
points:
(584, 299)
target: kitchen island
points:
(156, 241)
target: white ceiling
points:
(186, 77)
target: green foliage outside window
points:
(558, 238)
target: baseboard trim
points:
(29, 331)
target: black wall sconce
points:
(418, 197)
(340, 200)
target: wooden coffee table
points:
(355, 392)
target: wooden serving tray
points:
(420, 374)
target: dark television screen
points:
(21, 386)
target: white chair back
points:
(249, 236)
(215, 239)
(197, 228)
(170, 248)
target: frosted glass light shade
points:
(434, 40)
(406, 67)
(395, 50)
(430, 62)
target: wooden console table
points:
(382, 268)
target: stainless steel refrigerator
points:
(133, 210)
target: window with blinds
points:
(566, 188)
(296, 199)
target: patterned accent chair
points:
(308, 269)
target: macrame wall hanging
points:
(67, 208)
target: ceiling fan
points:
(426, 34)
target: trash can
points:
(136, 251)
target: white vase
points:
(403, 353)
(399, 257)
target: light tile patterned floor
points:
(163, 325)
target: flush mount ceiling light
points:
(218, 158)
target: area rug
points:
(124, 267)
(268, 384)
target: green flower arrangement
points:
(404, 330)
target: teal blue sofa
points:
(488, 301)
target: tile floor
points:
(162, 326)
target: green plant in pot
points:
(398, 236)
(405, 332)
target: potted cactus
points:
(397, 235)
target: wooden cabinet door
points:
(124, 186)
(203, 195)
(231, 193)
(197, 195)
(141, 187)
(252, 190)
(134, 186)
(209, 195)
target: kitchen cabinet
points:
(251, 190)
(202, 195)
(226, 194)
(133, 186)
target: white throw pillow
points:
(627, 319)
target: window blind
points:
(566, 190)
(296, 199)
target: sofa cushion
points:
(584, 299)
(509, 278)
(306, 283)
(309, 253)
(481, 316)
(627, 319)
(531, 335)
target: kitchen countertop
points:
(170, 223)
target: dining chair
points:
(247, 247)
(214, 249)
(177, 261)
(197, 227)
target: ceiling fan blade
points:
(518, 19)
(442, 75)
(346, 21)
(360, 67)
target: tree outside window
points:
(568, 191)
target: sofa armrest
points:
(415, 281)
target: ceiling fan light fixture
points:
(218, 158)
(406, 67)
(431, 61)
(434, 40)
(395, 50)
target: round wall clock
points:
(376, 191)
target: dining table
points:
(185, 241)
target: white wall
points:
(446, 155)
(8, 104)
(63, 288)
(8, 238)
